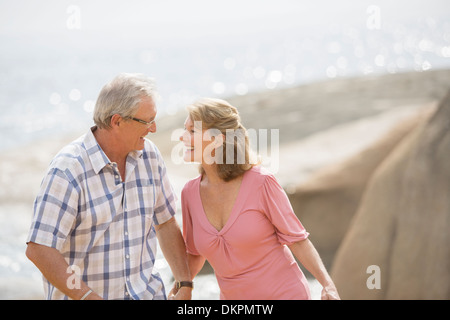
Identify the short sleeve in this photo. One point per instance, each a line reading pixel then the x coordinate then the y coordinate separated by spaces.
pixel 55 210
pixel 188 233
pixel 278 210
pixel 165 203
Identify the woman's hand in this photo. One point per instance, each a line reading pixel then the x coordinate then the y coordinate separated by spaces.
pixel 330 293
pixel 305 252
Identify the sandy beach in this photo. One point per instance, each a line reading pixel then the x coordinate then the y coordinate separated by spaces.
pixel 319 124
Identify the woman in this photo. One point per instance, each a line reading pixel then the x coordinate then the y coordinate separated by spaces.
pixel 236 215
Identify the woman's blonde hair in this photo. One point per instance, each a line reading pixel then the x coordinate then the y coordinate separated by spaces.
pixel 219 115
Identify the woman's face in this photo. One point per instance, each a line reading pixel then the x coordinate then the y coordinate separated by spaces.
pixel 199 143
pixel 192 139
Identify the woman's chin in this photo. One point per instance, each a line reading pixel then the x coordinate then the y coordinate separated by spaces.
pixel 188 158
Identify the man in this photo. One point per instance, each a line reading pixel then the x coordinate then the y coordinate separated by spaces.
pixel 104 200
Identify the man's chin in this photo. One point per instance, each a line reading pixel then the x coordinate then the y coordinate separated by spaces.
pixel 140 145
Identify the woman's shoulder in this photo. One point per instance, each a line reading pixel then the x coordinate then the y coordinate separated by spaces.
pixel 259 174
pixel 191 184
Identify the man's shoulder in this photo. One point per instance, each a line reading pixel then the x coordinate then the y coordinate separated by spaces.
pixel 70 157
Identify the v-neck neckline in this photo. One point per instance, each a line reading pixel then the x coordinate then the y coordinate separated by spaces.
pixel 236 205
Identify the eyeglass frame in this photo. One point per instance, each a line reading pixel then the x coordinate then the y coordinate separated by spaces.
pixel 148 124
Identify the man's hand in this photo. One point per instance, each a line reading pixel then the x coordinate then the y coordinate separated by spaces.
pixel 172 246
pixel 184 293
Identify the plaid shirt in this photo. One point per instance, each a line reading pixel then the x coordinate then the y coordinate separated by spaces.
pixel 102 226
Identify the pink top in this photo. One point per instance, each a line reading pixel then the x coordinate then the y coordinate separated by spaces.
pixel 249 255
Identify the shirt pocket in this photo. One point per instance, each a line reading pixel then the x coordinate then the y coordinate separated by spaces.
pixel 139 195
pixel 145 202
pixel 139 206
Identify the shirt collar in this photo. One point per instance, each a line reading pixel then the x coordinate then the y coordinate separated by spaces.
pixel 98 158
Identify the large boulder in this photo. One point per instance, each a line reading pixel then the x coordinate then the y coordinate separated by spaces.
pixel 329 198
pixel 400 235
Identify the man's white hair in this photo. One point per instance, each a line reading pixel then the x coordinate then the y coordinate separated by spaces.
pixel 122 96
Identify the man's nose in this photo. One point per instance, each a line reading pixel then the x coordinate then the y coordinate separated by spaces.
pixel 152 128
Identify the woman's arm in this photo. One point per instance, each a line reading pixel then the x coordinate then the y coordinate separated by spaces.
pixel 308 256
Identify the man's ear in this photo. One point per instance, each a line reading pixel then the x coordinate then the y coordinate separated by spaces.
pixel 116 119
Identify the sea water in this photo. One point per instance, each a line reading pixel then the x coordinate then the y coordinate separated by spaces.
pixel 50 77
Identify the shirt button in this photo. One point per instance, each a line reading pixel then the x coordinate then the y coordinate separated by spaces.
pixel 127 256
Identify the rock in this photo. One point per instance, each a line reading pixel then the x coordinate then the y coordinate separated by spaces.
pixel 329 198
pixel 403 222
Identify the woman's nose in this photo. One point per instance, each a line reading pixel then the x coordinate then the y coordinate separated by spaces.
pixel 182 137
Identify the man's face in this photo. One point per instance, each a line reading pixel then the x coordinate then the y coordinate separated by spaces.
pixel 134 132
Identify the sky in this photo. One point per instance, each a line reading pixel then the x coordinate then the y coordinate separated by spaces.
pixel 175 19
pixel 57 46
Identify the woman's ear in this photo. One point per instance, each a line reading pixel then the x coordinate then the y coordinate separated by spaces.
pixel 218 140
pixel 210 155
pixel 216 137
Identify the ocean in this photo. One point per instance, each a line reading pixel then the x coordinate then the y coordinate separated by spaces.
pixel 56 55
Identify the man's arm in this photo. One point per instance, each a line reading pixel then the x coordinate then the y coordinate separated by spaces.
pixel 174 250
pixel 196 264
pixel 54 268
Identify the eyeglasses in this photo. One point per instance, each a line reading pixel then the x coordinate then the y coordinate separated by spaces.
pixel 148 124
